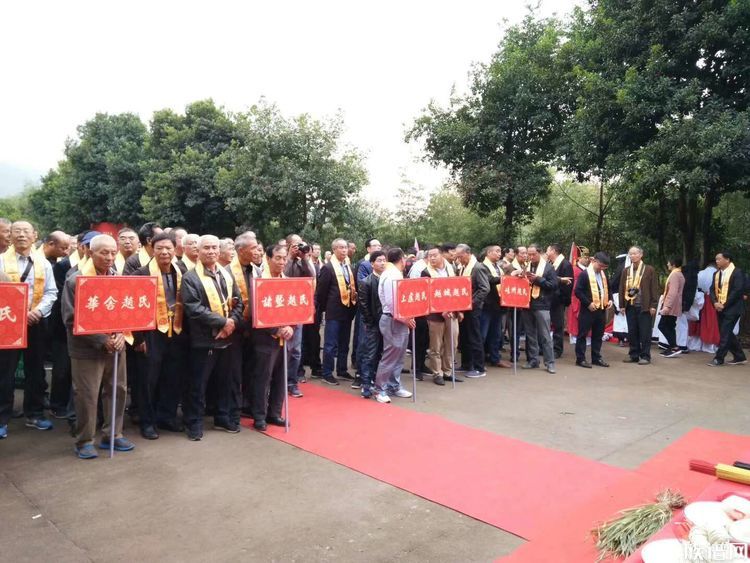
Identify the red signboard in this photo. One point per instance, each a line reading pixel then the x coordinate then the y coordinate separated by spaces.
pixel 515 292
pixel 450 294
pixel 14 307
pixel 106 304
pixel 282 302
pixel 412 298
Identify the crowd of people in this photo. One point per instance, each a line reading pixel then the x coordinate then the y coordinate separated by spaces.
pixel 206 359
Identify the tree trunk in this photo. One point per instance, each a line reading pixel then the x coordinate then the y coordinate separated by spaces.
pixel 687 211
pixel 709 203
pixel 599 218
pixel 660 227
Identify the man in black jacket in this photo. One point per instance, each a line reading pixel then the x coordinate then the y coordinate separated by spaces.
pixel 561 297
pixel 727 295
pixel 370 311
pixel 213 308
pixel 166 348
pixel 336 297
pixel 595 298
pixel 536 320
pixel 472 348
pixel 493 316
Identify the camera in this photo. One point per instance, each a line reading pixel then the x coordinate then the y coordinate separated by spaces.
pixel 633 291
pixel 303 247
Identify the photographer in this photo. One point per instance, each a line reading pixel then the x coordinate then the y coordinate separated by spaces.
pixel 639 290
pixel 298 266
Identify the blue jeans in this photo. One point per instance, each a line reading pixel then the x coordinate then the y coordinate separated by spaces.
pixel 294 349
pixel 336 346
pixel 371 348
pixel 491 327
pixel 395 336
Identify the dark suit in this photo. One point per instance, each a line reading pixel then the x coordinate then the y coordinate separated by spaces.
pixel 733 309
pixel 311 338
pixel 638 313
pixel 338 319
pixel 492 316
pixel 472 348
pixel 207 354
pixel 536 319
pixel 560 300
pixel 370 311
pixel 242 349
pixel 595 321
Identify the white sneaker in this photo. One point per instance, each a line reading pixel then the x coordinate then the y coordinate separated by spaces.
pixel 403 393
pixel 383 398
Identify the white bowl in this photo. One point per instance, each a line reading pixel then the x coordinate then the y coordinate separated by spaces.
pixel 664 551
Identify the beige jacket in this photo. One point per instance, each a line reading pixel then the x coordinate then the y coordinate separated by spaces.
pixel 672 305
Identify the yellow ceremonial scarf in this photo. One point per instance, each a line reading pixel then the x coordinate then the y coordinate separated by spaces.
pixel 119 263
pixel 267 274
pixel 189 264
pixel 218 305
pixel 11 268
pixel 722 290
pixel 239 278
pixel 517 265
pixel 558 261
pixel 75 258
pixel 347 295
pixel 469 268
pixel 536 290
pixel 601 300
pixel 633 280
pixel 167 320
pixel 434 273
pixel 491 267
pixel 143 257
pixel 669 279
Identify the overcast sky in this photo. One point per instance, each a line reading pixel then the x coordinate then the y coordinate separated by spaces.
pixel 379 63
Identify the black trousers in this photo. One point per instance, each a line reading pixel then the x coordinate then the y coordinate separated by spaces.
pixel 728 341
pixel 268 381
pixel 311 345
pixel 557 320
pixel 472 349
pixel 422 341
pixel 203 363
pixel 668 327
pixel 160 389
pixel 243 362
pixel 33 369
pixel 59 397
pixel 595 322
pixel 136 370
pixel 639 332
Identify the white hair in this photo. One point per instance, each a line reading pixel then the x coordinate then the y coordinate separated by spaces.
pixel 204 239
pixel 191 237
pixel 101 240
pixel 337 242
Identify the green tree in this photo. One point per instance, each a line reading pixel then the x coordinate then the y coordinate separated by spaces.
pixel 498 141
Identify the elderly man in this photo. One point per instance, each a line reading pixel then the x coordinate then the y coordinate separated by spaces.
pixel 592 291
pixel 127 244
pixel 727 296
pixel 336 297
pixel 536 319
pixel 56 246
pixel 562 296
pixel 361 271
pixel 298 265
pixel 4 234
pixel 213 308
pixel 145 253
pixel 22 265
pixel 493 315
pixel 472 348
pixel 268 379
pixel 226 252
pixel 92 361
pixel 190 250
pixel 166 348
pixel 371 346
pixel 639 296
pixel 243 270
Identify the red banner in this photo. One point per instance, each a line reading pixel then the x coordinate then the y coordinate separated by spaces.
pixel 14 308
pixel 282 302
pixel 450 294
pixel 106 304
pixel 515 292
pixel 412 298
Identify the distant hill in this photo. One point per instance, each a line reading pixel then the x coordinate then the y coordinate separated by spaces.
pixel 14 178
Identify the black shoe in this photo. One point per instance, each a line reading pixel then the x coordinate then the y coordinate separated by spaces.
pixel 260 425
pixel 584 364
pixel 171 426
pixel 715 363
pixel 601 363
pixel 357 383
pixel 331 380
pixel 295 392
pixel 276 420
pixel 150 433
pixel 229 426
pixel 449 377
pixel 630 360
pixel 420 377
pixel 737 361
pixel 194 434
pixel 345 375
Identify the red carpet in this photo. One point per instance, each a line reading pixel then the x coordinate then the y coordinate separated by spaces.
pixel 566 537
pixel 501 481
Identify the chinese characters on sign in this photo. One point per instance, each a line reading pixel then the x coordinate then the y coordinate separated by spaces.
pixel 412 298
pixel 14 306
pixel 282 302
pixel 515 292
pixel 450 294
pixel 105 304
